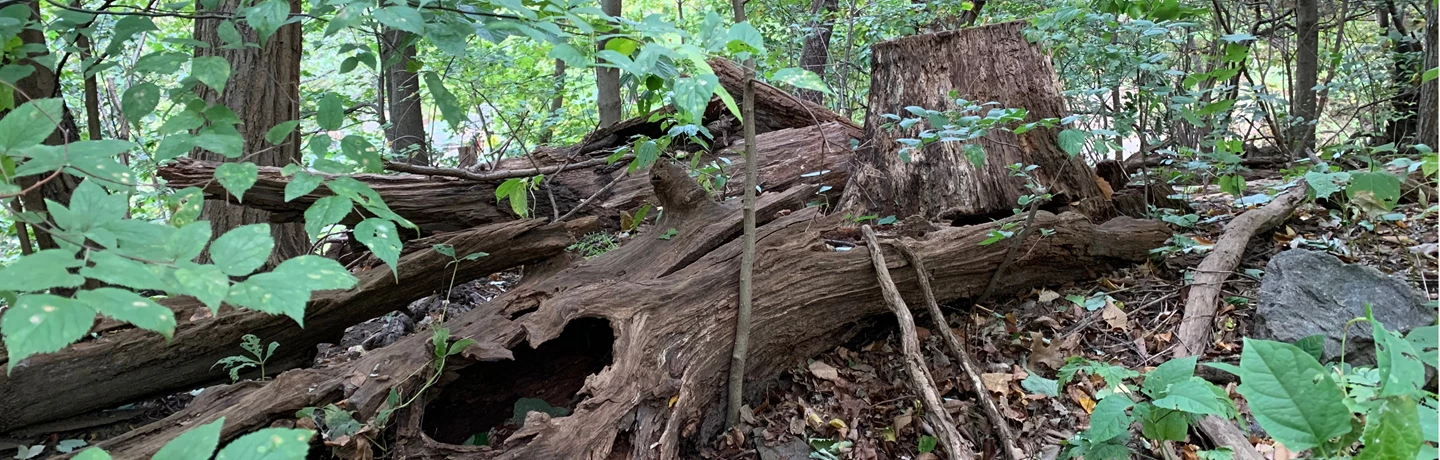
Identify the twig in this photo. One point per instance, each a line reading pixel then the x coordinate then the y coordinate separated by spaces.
pixel 592 197
pixel 740 353
pixel 914 361
pixel 1010 254
pixel 490 176
pixel 997 421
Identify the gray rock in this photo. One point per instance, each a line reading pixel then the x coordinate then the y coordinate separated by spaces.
pixel 1306 293
pixel 792 449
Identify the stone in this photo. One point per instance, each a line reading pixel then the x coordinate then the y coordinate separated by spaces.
pixel 1306 293
pixel 791 449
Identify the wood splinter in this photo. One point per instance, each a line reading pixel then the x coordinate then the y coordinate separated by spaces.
pixel 935 411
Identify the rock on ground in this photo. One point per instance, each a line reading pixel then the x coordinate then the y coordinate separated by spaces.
pixel 1306 293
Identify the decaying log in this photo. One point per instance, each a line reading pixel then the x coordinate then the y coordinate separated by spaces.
pixel 992 63
pixel 132 364
pixel 651 378
pixel 444 204
pixel 775 109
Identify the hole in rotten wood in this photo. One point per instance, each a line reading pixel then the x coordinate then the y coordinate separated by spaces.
pixel 482 400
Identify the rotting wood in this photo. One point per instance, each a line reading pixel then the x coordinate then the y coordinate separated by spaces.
pixel 670 304
pixel 922 382
pixel 133 364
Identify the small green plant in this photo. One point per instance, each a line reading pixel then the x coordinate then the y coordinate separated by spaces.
pixel 594 244
pixel 1170 398
pixel 449 251
pixel 669 233
pixel 829 449
pixel 517 190
pixel 251 344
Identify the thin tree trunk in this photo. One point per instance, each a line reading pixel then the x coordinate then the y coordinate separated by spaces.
pixel 1426 132
pixel 815 53
pixel 557 102
pixel 740 353
pixel 407 124
pixel 607 80
pixel 264 91
pixel 1307 70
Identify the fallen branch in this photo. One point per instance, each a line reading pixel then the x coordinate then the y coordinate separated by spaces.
pixel 997 421
pixel 492 176
pixel 914 361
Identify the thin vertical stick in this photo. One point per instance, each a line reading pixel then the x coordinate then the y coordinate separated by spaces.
pixel 747 256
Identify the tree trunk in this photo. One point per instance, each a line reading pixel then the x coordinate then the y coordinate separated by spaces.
pixel 406 132
pixel 557 103
pixel 1307 75
pixel 607 79
pixel 635 342
pixel 989 63
pixel 1429 114
pixel 815 52
pixel 42 84
pixel 263 91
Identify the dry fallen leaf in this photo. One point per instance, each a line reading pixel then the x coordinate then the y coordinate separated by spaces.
pixel 998 382
pixel 1048 296
pixel 1051 355
pixel 1115 317
pixel 902 421
pixel 1078 395
pixel 825 371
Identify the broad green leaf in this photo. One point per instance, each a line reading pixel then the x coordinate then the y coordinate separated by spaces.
pixel 160 62
pixel 273 293
pixel 1171 372
pixel 572 56
pixel 92 206
pixel 196 443
pixel 187 203
pixel 975 153
pixel 29 124
pixel 182 121
pixel 801 78
pixel 139 101
pixel 213 71
pixel 1401 372
pixel 449 106
pixel 1215 107
pixel 316 273
pixel 1233 184
pixel 1430 74
pixel 1162 424
pixel 1426 342
pixel 269 444
pixel 267 17
pixel 117 270
pixel 125 28
pixel 1034 383
pixel 401 17
pixel 40 271
pixel 204 282
pixel 1313 345
pixel 227 142
pixel 331 113
pixel 93 453
pixel 300 184
pixel 325 212
pixel 744 37
pixel 277 134
pixel 237 177
pixel 367 198
pixel 1375 188
pixel 1192 395
pixel 1392 431
pixel 383 240
pixel 1072 141
pixel 363 153
pixel 1326 184
pixel 130 307
pixel 1109 419
pixel 174 146
pixel 242 250
pixel 43 323
pixel 189 241
pixel 1290 395
pixel 692 95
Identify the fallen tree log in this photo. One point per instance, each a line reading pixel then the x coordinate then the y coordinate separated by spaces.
pixel 443 204
pixel 635 342
pixel 133 364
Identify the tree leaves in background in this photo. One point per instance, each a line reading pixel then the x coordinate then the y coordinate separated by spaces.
pixel 237 178
pixel 330 113
pixel 383 240
pixel 1294 399
pixel 449 106
pixel 241 251
pixel 43 323
pixel 801 78
pixel 401 17
pixel 125 29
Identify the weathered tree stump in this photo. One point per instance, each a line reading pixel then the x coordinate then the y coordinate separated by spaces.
pixel 982 64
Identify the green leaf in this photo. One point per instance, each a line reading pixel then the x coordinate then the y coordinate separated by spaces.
pixel 29 124
pixel 1290 395
pixel 1162 424
pixel 174 146
pixel 402 18
pixel 301 184
pixel 1374 187
pixel 1072 141
pixel 1034 383
pixel 139 101
pixel 1215 107
pixel 449 106
pixel 92 206
pixel 187 204
pixel 213 71
pixel 40 271
pixel 1326 184
pixel 572 56
pixel 383 240
pixel 445 249
pixel 1109 419
pixel 331 113
pixel 114 269
pixel 277 134
pixel 1174 371
pixel 801 78
pixel 1401 372
pixel 273 293
pixel 926 444
pixel 976 154
pixel 267 17
pixel 227 142
pixel 1313 345
pixel 237 177
pixel 125 28
pixel 269 444
pixel 160 62
pixel 242 250
pixel 744 37
pixel 189 241
pixel 43 323
pixel 204 282
pixel 93 453
pixel 692 95
pixel 195 443
pixel 1194 396
pixel 181 121
pixel 1233 184
pixel 1426 342
pixel 316 273
pixel 325 212
pixel 362 152
pixel 130 307
pixel 1430 75
pixel 1392 431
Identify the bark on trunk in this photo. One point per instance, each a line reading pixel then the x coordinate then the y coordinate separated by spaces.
pixel 442 204
pixel 264 91
pixel 1428 129
pixel 815 52
pixel 42 84
pixel 660 315
pixel 133 364
pixel 406 132
pixel 990 63
pixel 607 79
pixel 1307 74
pixel 557 102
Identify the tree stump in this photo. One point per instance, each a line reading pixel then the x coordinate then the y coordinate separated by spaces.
pixel 982 64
